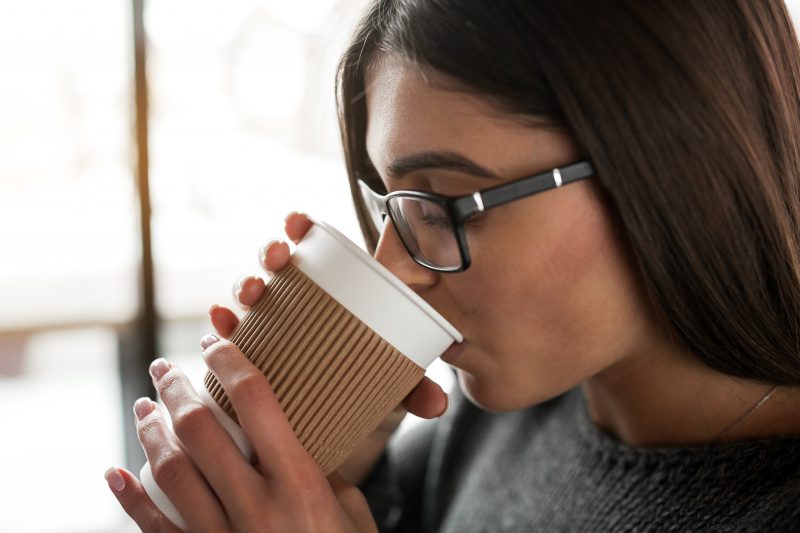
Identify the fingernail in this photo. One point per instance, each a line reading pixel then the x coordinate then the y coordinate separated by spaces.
pixel 241 282
pixel 446 405
pixel 262 253
pixel 211 309
pixel 159 367
pixel 237 287
pixel 114 479
pixel 208 340
pixel 143 407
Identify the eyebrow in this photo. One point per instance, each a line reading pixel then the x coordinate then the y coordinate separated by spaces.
pixel 439 160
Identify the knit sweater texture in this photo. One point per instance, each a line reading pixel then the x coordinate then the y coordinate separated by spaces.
pixel 550 468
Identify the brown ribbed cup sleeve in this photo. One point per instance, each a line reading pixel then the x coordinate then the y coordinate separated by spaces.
pixel 335 378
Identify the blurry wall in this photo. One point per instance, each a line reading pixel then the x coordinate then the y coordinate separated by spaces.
pixel 242 131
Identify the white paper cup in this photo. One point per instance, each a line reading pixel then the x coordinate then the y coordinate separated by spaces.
pixel 341 340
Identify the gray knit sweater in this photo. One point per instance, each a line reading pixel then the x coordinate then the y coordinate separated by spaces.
pixel 549 468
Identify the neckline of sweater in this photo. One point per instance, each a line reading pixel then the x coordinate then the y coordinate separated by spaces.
pixel 763 451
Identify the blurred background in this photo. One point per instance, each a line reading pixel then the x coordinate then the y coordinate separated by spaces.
pixel 147 151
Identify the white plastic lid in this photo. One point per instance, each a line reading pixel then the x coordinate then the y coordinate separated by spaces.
pixel 373 294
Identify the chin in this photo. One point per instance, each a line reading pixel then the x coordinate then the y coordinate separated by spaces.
pixel 484 396
pixel 497 398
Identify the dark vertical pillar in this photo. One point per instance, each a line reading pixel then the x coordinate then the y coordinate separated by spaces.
pixel 139 344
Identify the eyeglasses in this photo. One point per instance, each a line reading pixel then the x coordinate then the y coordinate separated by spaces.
pixel 431 226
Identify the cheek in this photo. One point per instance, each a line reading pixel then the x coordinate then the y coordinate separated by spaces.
pixel 591 292
pixel 595 287
pixel 556 261
pixel 556 301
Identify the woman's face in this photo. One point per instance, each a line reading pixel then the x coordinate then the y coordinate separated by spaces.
pixel 551 297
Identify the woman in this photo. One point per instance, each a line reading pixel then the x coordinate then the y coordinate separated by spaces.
pixel 630 315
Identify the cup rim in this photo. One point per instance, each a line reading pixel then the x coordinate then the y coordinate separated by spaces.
pixel 387 275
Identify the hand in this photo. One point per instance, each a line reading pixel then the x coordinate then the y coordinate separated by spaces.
pixel 210 482
pixel 427 400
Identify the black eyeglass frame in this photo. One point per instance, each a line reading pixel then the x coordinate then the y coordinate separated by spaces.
pixel 460 208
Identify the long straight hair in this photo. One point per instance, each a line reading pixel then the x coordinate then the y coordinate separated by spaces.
pixel 688 111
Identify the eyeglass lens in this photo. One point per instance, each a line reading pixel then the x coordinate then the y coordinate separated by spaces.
pixel 424 226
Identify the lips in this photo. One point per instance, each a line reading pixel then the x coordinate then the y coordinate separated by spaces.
pixel 451 354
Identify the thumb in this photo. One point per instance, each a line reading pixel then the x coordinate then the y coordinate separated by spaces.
pixel 427 400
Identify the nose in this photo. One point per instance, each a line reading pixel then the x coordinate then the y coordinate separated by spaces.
pixel 391 253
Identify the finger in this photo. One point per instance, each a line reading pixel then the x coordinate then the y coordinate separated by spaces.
pixel 247 291
pixel 251 290
pixel 274 255
pixel 209 446
pixel 297 225
pixel 259 412
pixel 427 400
pixel 174 472
pixel 223 319
pixel 134 500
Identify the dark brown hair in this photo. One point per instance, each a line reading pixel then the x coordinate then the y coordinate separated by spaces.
pixel 688 111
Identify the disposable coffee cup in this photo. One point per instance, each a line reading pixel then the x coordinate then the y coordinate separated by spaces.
pixel 340 339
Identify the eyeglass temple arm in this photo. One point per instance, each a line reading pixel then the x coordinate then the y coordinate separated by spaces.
pixel 508 192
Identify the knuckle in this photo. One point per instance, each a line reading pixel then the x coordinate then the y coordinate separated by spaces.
pixel 168 467
pixel 169 383
pixel 250 383
pixel 149 427
pixel 305 476
pixel 191 420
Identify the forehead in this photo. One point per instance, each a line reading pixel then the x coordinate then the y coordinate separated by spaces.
pixel 411 110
